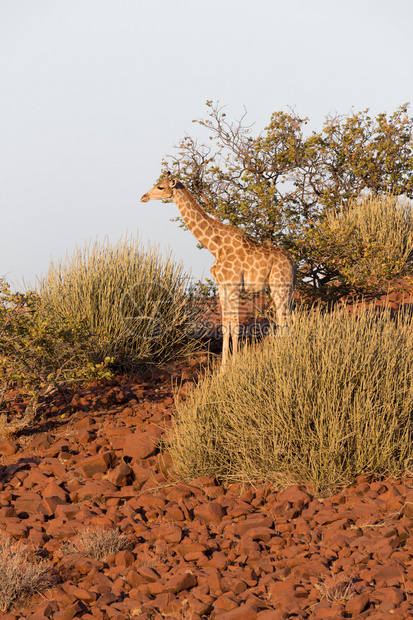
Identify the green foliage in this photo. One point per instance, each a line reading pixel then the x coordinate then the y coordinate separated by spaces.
pixel 133 301
pixel 279 186
pixel 359 249
pixel 39 348
pixel 327 401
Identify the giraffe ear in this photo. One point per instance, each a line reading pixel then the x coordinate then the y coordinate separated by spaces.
pixel 173 182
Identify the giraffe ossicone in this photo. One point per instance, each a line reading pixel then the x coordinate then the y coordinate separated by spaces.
pixel 241 264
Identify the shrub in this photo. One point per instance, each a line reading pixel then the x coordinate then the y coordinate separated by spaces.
pixel 362 247
pixel 39 349
pixel 97 543
pixel 378 238
pixel 20 578
pixel 131 299
pixel 327 401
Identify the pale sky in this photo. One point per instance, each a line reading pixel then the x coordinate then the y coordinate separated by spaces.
pixel 95 93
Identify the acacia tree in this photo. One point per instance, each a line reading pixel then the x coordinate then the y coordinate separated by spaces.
pixel 280 185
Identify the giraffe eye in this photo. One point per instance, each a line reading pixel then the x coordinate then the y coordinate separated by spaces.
pixel 159 187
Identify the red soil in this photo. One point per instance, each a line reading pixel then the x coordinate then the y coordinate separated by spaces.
pixel 198 549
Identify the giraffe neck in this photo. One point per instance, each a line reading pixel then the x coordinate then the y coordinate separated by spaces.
pixel 202 226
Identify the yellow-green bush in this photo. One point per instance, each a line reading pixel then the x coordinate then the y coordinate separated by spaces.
pixel 134 301
pixel 377 238
pixel 357 250
pixel 38 348
pixel 329 400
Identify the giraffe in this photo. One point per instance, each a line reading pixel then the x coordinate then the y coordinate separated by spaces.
pixel 241 264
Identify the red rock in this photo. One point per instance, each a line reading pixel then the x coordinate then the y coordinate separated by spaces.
pixel 9 511
pixel 84 595
pixel 8 447
pixel 39 538
pixel 357 604
pixel 233 584
pixel 54 490
pixel 97 464
pixel 219 560
pixel 86 437
pixel 41 441
pixel 139 445
pixel 325 517
pixel 279 509
pixel 388 572
pixel 174 513
pixel 278 614
pixel 169 532
pixel 147 573
pixel 180 582
pixel 35 478
pixel 199 607
pixel 326 612
pixel 121 475
pixel 296 495
pixel 71 611
pixel 67 511
pixel 85 422
pixel 260 533
pixel 141 474
pixel 210 512
pixel 124 558
pixel 242 527
pixel 28 502
pixel 95 489
pixel 310 568
pixel 190 547
pixel 225 603
pixel 205 481
pixel 389 595
pixel 245 611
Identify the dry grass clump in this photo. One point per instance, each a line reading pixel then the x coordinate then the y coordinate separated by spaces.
pixel 319 405
pixel 132 299
pixel 336 591
pixel 20 578
pixel 375 239
pixel 97 543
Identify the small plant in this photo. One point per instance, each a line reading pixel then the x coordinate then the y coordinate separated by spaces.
pixel 97 544
pixel 325 402
pixel 20 578
pixel 336 591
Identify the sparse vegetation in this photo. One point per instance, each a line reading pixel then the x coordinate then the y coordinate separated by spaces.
pixel 320 405
pixel 334 591
pixel 133 301
pixel 97 543
pixel 20 578
pixel 39 350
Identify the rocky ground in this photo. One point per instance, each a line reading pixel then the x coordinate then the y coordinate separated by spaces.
pixel 194 549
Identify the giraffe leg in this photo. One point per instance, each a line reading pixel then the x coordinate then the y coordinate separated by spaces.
pixel 233 299
pixel 223 298
pixel 282 295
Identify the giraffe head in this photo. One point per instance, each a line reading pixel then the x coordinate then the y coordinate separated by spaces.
pixel 161 190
